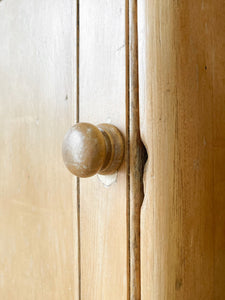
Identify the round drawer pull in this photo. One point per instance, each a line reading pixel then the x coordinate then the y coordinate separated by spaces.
pixel 88 149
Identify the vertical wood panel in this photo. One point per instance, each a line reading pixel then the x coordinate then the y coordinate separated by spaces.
pixel 218 65
pixel 37 213
pixel 136 156
pixel 103 98
pixel 182 112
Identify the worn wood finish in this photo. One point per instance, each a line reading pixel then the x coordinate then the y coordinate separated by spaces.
pixel 183 111
pixel 135 156
pixel 103 228
pixel 37 214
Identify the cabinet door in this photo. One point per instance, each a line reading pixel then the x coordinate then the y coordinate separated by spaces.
pixel 182 63
pixel 38 232
pixel 60 237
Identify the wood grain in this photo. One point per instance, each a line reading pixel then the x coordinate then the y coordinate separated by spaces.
pixel 135 156
pixel 103 227
pixel 37 213
pixel 183 111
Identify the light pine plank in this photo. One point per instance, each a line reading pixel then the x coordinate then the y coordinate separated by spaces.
pixel 37 208
pixel 102 99
pixel 182 111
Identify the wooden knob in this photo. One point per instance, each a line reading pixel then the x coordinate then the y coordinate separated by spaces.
pixel 88 149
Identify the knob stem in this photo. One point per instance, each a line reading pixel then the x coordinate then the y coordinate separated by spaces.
pixel 114 148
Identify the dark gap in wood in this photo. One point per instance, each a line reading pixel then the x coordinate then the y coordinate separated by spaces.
pixel 143 160
pixel 77 120
pixel 79 239
pixel 78 61
pixel 127 144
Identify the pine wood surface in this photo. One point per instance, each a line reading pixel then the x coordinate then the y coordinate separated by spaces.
pixel 182 92
pixel 102 98
pixel 37 211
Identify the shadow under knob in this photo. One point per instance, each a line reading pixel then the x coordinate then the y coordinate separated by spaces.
pixel 88 149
